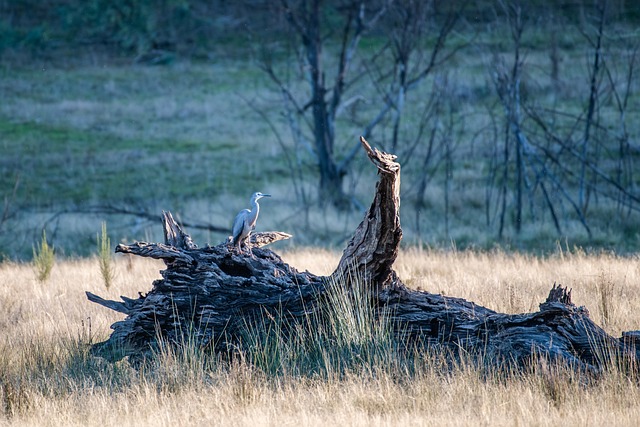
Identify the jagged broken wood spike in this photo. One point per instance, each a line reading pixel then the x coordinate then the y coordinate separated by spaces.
pixel 374 246
pixel 217 293
pixel 173 234
pixel 113 305
pixel 559 294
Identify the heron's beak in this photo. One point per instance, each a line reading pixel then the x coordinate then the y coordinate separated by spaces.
pixel 266 195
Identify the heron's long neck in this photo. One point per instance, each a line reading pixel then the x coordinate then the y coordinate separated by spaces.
pixel 255 211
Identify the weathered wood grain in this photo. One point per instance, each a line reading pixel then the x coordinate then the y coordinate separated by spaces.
pixel 214 293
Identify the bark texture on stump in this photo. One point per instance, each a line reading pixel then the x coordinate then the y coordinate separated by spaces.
pixel 214 293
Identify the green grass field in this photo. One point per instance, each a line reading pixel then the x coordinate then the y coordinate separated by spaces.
pixel 197 138
pixel 132 137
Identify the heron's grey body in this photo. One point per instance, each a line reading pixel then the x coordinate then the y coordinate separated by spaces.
pixel 246 219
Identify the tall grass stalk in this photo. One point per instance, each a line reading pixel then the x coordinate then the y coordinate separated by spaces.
pixel 107 270
pixel 43 258
pixel 605 288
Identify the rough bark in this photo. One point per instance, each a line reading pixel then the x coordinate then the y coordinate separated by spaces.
pixel 213 294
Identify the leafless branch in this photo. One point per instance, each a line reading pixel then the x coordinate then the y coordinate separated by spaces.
pixel 118 210
pixel 8 202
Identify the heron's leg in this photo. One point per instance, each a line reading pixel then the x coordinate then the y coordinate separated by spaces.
pixel 244 242
pixel 247 242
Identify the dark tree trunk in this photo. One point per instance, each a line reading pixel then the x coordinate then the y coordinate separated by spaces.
pixel 330 178
pixel 306 19
pixel 214 294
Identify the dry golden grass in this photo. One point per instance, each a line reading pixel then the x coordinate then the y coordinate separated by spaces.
pixel 514 283
pixel 46 378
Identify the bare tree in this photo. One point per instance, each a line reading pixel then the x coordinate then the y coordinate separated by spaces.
pixel 567 157
pixel 508 84
pixel 326 89
pixel 417 35
pixel 406 60
pixel 414 57
pixel 621 91
pixel 530 163
pixel 595 77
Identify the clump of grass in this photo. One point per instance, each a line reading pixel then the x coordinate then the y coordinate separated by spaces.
pixel 43 258
pixel 361 332
pixel 176 365
pixel 345 334
pixel 104 256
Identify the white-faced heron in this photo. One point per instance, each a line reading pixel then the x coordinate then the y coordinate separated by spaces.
pixel 246 219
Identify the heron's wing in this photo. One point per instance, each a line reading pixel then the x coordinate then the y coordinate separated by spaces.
pixel 238 223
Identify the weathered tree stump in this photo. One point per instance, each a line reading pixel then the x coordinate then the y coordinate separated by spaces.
pixel 213 293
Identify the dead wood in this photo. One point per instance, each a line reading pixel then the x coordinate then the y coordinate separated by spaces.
pixel 214 294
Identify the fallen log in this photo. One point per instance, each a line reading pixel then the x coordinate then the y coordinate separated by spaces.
pixel 214 293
